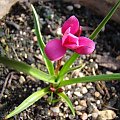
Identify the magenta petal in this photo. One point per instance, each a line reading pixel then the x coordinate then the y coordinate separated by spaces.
pixel 71 22
pixel 54 50
pixel 87 46
pixel 69 40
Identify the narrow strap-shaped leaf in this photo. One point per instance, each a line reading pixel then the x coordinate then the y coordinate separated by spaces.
pixel 28 102
pixel 80 67
pixel 48 63
pixel 104 77
pixel 67 100
pixel 92 36
pixel 25 68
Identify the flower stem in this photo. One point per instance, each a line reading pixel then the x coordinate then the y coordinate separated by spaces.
pixel 58 65
pixel 51 98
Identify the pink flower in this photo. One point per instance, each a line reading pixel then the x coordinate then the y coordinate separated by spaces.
pixel 55 49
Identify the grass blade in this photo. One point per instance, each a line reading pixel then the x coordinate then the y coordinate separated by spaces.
pixel 48 63
pixel 104 77
pixel 28 102
pixel 80 67
pixel 67 100
pixel 25 68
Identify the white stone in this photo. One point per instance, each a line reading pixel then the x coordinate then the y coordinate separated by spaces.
pixel 61 114
pixel 77 93
pixel 79 84
pixel 95 115
pixel 22 79
pixel 70 7
pixel 55 109
pixel 76 102
pixel 78 113
pixel 81 74
pixel 97 94
pixel 83 103
pixel 98 102
pixel 69 86
pixel 69 94
pixel 84 90
pixel 77 6
pixel 59 31
pixel 84 116
pixel 78 107
pixel 106 115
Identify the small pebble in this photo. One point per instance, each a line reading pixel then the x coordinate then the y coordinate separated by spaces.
pixel 61 114
pixel 24 33
pixel 55 109
pixel 25 89
pixel 84 116
pixel 81 74
pixel 35 38
pixel 78 113
pixel 22 79
pixel 76 103
pixel 77 93
pixel 109 72
pixel 83 103
pixel 79 84
pixel 65 108
pixel 69 94
pixel 94 65
pixel 71 117
pixel 76 72
pixel 20 96
pixel 70 7
pixel 5 96
pixel 21 32
pixel 38 88
pixel 89 85
pixel 97 94
pixel 78 6
pixel 49 112
pixel 69 87
pixel 79 108
pixel 84 90
pixel 33 89
pixel 59 31
pixel 95 115
pixel 98 102
pixel 106 115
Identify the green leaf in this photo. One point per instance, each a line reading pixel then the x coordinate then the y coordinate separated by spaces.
pixel 48 63
pixel 92 36
pixel 28 102
pixel 67 100
pixel 80 67
pixel 25 68
pixel 104 77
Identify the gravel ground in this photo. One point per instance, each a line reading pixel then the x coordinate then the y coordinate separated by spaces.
pixel 92 101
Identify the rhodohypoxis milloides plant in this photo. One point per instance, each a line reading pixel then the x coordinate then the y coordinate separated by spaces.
pixel 54 50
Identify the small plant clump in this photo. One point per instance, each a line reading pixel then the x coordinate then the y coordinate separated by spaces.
pixel 54 51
